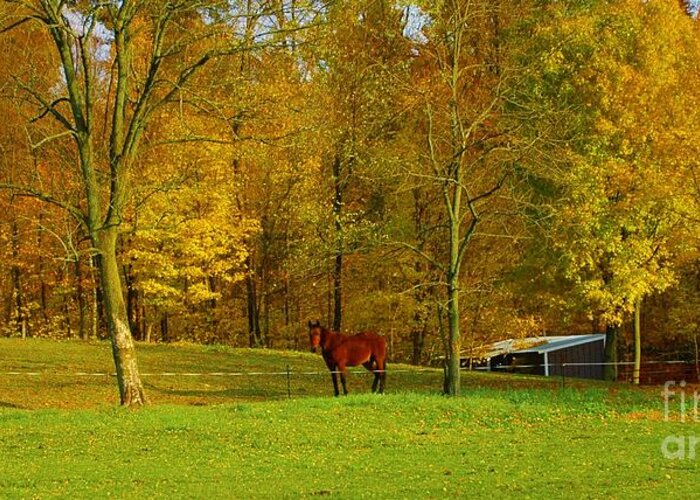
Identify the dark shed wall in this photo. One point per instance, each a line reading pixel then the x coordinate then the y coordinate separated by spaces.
pixel 590 352
pixel 527 363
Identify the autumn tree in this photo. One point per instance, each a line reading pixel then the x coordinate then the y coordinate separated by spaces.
pixel 41 243
pixel 121 62
pixel 183 250
pixel 606 82
pixel 468 152
pixel 360 54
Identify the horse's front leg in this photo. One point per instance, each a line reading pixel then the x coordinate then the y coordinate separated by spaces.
pixel 342 378
pixel 334 376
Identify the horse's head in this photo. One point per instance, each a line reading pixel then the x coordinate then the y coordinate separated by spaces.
pixel 314 335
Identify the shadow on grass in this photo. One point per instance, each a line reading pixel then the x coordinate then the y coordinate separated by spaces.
pixel 4 404
pixel 238 393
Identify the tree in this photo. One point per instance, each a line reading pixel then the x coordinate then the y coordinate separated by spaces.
pixel 608 80
pixel 41 241
pixel 121 62
pixel 361 53
pixel 467 149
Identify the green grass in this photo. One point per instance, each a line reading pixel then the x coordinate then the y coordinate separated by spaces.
pixel 57 386
pixel 506 436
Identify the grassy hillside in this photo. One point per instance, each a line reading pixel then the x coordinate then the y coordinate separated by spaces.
pixel 75 375
pixel 520 436
pixel 72 374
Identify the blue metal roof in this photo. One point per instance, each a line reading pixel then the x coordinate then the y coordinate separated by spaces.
pixel 539 345
pixel 564 342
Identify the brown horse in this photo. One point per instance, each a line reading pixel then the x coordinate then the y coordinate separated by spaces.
pixel 340 351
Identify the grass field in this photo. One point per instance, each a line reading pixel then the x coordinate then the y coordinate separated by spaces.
pixel 257 375
pixel 239 437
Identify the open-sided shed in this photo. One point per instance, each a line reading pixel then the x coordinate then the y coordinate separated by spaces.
pixel 579 356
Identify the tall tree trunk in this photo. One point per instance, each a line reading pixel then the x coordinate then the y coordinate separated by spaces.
pixel 697 354
pixel 441 314
pixel 420 316
pixel 96 312
pixel 254 335
pixel 287 319
pixel 418 337
pixel 132 301
pixel 637 341
pixel 329 300
pixel 338 292
pixel 610 369
pixel 145 326
pixel 21 320
pixel 66 308
pixel 453 382
pixel 472 329
pixel 43 288
pixel 164 331
pixel 266 313
pixel 83 329
pixel 338 263
pixel 123 351
pixel 696 333
pixel 420 319
pixel 211 308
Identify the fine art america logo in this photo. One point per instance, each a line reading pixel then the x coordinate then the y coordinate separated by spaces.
pixel 681 406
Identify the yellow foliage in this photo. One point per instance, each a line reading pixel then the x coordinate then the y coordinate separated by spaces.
pixel 634 96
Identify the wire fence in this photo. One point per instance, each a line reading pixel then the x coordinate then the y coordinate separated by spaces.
pixel 246 384
pixel 651 372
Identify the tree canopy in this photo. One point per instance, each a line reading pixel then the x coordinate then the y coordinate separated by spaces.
pixel 445 173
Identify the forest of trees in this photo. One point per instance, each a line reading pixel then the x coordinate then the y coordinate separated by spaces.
pixel 446 173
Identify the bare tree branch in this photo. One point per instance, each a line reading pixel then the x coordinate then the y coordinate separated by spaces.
pixel 48 198
pixel 48 107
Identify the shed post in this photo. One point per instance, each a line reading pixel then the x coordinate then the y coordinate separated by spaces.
pixel 546 365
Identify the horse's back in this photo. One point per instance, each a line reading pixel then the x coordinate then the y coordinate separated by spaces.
pixel 361 348
pixel 376 341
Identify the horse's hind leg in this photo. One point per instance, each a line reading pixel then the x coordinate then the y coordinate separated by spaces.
pixel 371 366
pixel 381 375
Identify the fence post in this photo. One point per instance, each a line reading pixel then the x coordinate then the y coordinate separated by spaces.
pixel 563 375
